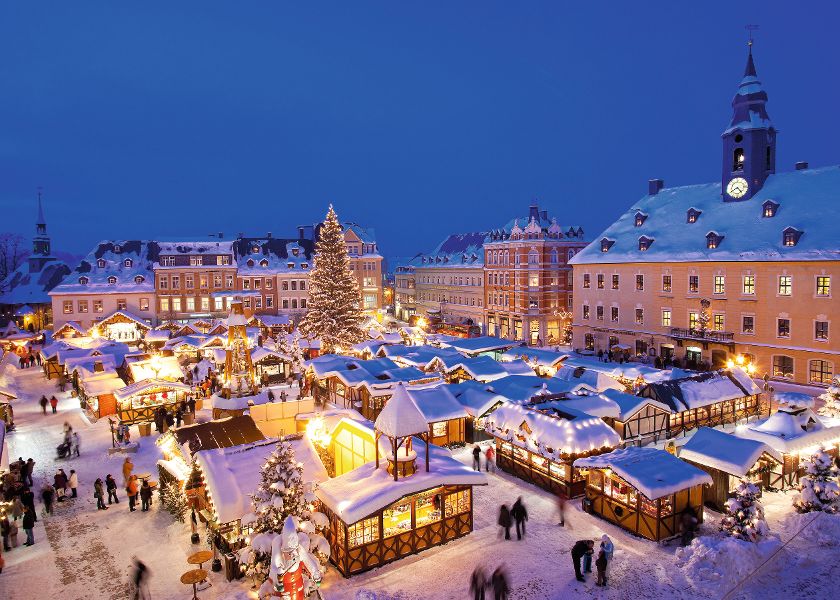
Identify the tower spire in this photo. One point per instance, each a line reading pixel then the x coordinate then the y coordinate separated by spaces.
pixel 41 220
pixel 41 242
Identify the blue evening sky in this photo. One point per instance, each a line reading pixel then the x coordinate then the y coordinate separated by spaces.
pixel 159 119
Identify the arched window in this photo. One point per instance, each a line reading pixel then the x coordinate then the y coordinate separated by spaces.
pixel 139 279
pixel 554 257
pixel 738 159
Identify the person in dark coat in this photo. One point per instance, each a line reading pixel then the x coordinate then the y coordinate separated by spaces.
pixel 478 583
pixel 499 580
pixel 28 499
pixel 145 496
pixel 520 515
pixel 505 520
pixel 47 495
pixel 30 468
pixel 579 550
pixel 5 531
pixel 138 578
pixel 60 483
pixel 111 486
pixel 99 494
pixel 601 566
pixel 476 458
pixel 270 395
pixel 44 403
pixel 191 405
pixel 688 521
pixel 28 525
pixel 179 414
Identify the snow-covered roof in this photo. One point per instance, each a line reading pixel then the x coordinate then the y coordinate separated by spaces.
pixel 415 356
pixel 595 380
pixel 725 452
pixel 401 417
pixel 703 389
pixel 106 383
pixel 366 489
pixel 456 250
pixel 537 356
pixel 88 365
pixel 805 197
pixel 130 269
pixel 553 432
pixel 145 386
pixel 655 473
pixel 436 403
pixel 126 314
pixel 239 403
pixel 628 404
pixel 627 370
pixel 480 344
pixel 157 335
pixel 791 430
pixel 521 388
pixel 260 353
pixel 475 397
pixel 595 405
pixel 32 282
pixel 267 256
pixel 155 367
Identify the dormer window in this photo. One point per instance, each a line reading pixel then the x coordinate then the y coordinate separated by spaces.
pixel 112 280
pixel 304 265
pixel 606 244
pixel 128 262
pixel 139 279
pixel 291 265
pixel 713 240
pixel 644 243
pixel 255 250
pixel 295 251
pixel 100 263
pixel 117 248
pixel 263 263
pixel 769 208
pixel 250 262
pixel 83 280
pixel 640 219
pixel 790 236
pixel 691 215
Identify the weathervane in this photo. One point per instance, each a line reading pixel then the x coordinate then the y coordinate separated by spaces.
pixel 750 28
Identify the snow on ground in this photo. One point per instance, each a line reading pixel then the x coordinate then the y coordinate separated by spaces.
pixel 85 553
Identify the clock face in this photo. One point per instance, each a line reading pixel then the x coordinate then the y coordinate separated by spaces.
pixel 736 188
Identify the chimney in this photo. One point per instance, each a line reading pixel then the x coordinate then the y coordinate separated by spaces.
pixel 221 235
pixel 544 215
pixel 801 165
pixel 268 235
pixel 300 233
pixel 534 212
pixel 655 185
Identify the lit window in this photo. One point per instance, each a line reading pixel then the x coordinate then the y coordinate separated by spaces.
pixel 614 314
pixel 666 317
pixel 821 330
pixel 599 313
pixel 68 307
pixel 100 263
pixel 644 243
pixel 713 240
pixel 164 304
pixel 720 284
pixel 691 215
pixel 586 282
pixel 748 324
pixel 790 236
pixel 785 285
pixel 112 280
pixel 615 282
pixel 749 285
pixel 640 282
pixel 717 322
pixel 640 316
pixel 783 328
pixel 820 371
pixel 190 304
pixel 824 286
pixel 783 366
pixel 83 280
pixel 97 306
pixel 768 209
pixel 586 311
pixel 144 304
pixel 693 283
pixel 693 320
pixel 640 219
pixel 600 281
pixel 195 261
pixel 666 283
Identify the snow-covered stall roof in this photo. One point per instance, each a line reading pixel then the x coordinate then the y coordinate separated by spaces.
pixel 414 356
pixel 481 344
pixel 401 417
pixel 141 387
pixel 436 403
pixel 475 397
pixel 725 452
pixel 70 327
pixel 804 197
pixel 655 473
pixel 124 314
pixel 593 379
pixel 241 403
pixel 702 389
pixel 627 370
pixel 157 335
pixel 89 365
pixel 102 383
pixel 522 388
pixel 154 367
pixel 537 356
pixel 595 405
pixel 628 404
pixel 218 433
pixel 261 353
pixel 366 489
pixel 791 430
pixel 564 431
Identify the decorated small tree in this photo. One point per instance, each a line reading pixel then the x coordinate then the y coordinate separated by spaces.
pixel 282 493
pixel 744 517
pixel 297 354
pixel 818 488
pixel 831 398
pixel 281 344
pixel 703 318
pixel 333 313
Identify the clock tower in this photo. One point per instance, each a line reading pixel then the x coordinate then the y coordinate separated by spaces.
pixel 749 143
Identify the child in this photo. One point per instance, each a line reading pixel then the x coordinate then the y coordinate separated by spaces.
pixel 601 565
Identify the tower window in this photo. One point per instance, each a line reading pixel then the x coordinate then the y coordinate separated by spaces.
pixel 738 159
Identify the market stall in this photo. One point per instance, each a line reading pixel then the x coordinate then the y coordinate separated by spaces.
pixel 137 402
pixel 271 367
pixel 643 490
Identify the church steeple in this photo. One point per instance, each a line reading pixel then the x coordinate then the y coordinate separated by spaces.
pixel 41 241
pixel 749 143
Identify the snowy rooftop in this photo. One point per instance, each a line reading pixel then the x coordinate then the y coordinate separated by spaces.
pixel 628 404
pixel 552 433
pixel 147 385
pixel 485 343
pixel 595 380
pixel 436 403
pixel 723 451
pixel 113 267
pixel 655 473
pixel 401 417
pixel 457 250
pixel 29 284
pixel 475 397
pixel 538 356
pixel 218 433
pixel 791 430
pixel 804 197
pixel 521 388
pixel 366 489
pixel 703 389
pixel 262 256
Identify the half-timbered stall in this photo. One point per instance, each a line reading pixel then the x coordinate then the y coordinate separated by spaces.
pixel 122 326
pixel 69 330
pixel 392 508
pixel 709 399
pixel 271 367
pixel 794 432
pixel 640 420
pixel 96 393
pixel 478 401
pixel 79 367
pixel 155 339
pixel 728 459
pixel 137 402
pixel 643 490
pixel 153 366
pixel 444 414
pixel 545 363
pixel 541 446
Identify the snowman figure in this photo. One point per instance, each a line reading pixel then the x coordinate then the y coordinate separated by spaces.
pixel 288 561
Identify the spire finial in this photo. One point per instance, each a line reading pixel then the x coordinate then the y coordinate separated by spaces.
pixel 750 28
pixel 41 220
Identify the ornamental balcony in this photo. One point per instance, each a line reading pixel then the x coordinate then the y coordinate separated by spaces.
pixel 723 337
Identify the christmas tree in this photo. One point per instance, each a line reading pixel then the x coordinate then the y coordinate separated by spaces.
pixel 333 314
pixel 818 488
pixel 281 344
pixel 282 493
pixel 831 397
pixel 744 514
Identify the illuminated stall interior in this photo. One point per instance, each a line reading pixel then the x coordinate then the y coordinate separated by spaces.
pixel 137 402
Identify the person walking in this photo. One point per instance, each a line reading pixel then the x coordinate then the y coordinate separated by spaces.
pixel 47 496
pixel 579 550
pixel 504 521
pixel 99 494
pixel 17 508
pixel 27 498
pixel 179 414
pixel 73 482
pixel 60 484
pixel 478 583
pixel 5 529
pixel 476 458
pixel 77 444
pixel 191 405
pixel 520 515
pixel 490 459
pixel 127 468
pixel 139 577
pixel 29 525
pixel 499 580
pixel 283 396
pixel 54 404
pixel 145 496
pixel 30 468
pixel 601 566
pixel 131 490
pixel 561 507
pixel 111 486
pixel 44 403
pixel 608 548
pixel 270 395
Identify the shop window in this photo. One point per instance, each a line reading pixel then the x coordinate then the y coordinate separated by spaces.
pixel 396 518
pixel 439 429
pixel 427 508
pixel 457 503
pixel 363 532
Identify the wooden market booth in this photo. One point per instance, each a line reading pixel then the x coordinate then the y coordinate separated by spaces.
pixel 643 490
pixel 96 393
pixel 479 402
pixel 728 459
pixel 542 446
pixel 122 326
pixel 394 507
pixel 70 329
pixel 271 367
pixel 137 402
pixel 640 420
pixel 794 433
